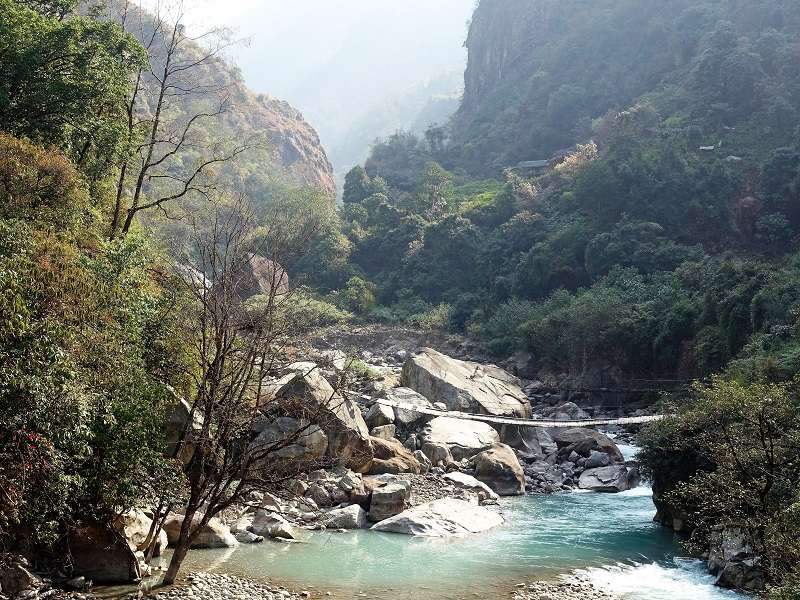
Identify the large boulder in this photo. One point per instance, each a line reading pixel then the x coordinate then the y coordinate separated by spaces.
pixel 379 415
pixel 532 442
pixel 583 441
pixel 733 560
pixel 290 439
pixel 214 535
pixel 441 518
pixel 392 457
pixel 350 517
pixel 408 417
pixel 499 468
pixel 463 438
pixel 306 394
pixel 135 526
pixel 616 478
pixel 17 578
pixel 262 276
pixel 269 524
pixel 389 500
pixel 465 386
pixel 470 483
pixel 101 554
pixel 180 433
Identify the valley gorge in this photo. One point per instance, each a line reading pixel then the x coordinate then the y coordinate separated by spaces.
pixel 542 343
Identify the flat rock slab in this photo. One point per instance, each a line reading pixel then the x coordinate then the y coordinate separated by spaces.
pixel 441 518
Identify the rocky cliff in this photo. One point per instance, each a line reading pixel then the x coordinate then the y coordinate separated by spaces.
pixel 541 73
pixel 293 147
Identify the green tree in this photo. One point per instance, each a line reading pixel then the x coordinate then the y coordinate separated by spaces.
pixel 64 83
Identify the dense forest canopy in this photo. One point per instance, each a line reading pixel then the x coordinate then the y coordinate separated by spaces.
pixel 659 239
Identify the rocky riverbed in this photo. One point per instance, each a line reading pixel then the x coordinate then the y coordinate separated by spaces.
pixel 392 469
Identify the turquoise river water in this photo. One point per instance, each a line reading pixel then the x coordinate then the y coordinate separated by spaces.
pixel 608 538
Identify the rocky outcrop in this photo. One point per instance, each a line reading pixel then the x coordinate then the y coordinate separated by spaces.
pixel 261 276
pixel 616 478
pixel 461 438
pixel 499 468
pixel 465 386
pixel 17 579
pixel 101 554
pixel 288 142
pixel 392 457
pixel 441 518
pixel 733 560
pixel 213 535
pixel 305 393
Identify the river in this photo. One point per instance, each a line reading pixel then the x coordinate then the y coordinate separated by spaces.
pixel 609 539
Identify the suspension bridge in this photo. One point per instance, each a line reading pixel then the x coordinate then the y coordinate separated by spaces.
pixel 517 421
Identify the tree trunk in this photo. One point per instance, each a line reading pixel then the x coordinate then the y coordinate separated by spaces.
pixel 181 550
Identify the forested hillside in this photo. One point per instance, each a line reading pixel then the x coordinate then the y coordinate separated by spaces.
pixel 618 197
pixel 135 169
pixel 660 241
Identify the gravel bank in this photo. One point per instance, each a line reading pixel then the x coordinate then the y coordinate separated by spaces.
pixel 568 590
pixel 213 586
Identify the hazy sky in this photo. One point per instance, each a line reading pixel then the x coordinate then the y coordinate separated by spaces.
pixel 337 59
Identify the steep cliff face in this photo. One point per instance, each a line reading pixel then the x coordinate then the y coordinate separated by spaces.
pixel 293 148
pixel 541 72
pixel 293 142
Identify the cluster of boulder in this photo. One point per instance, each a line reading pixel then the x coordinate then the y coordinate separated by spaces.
pixel 395 460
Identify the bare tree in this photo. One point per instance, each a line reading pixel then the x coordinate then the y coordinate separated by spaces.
pixel 237 345
pixel 169 109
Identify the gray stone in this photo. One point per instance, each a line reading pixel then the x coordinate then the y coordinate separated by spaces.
pixel 465 386
pixel 101 554
pixel 499 468
pixel 392 457
pixel 308 394
pixel 597 459
pixel 462 438
pixel 389 500
pixel 350 517
pixel 212 535
pixel 441 518
pixel 616 478
pixel 384 432
pixel 379 415
pixel 405 417
pixel 247 537
pixel 582 441
pixel 272 525
pixel 437 454
pixel 733 561
pixel 468 482
pixel 295 439
pixel 135 526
